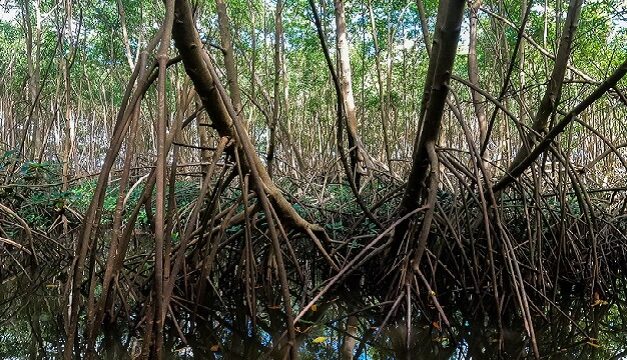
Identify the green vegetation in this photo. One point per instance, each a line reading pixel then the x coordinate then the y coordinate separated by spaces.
pixel 313 179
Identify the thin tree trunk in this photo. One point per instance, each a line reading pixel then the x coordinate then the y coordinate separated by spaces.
pixel 127 45
pixel 68 128
pixel 383 100
pixel 473 71
pixel 278 76
pixel 160 174
pixel 546 141
pixel 359 158
pixel 33 60
pixel 202 126
pixel 552 95
pixel 229 58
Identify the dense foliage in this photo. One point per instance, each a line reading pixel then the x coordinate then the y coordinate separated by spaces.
pixel 305 176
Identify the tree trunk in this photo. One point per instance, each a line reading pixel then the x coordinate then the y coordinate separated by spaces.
pixel 546 141
pixel 125 38
pixel 473 72
pixel 359 158
pixel 229 59
pixel 278 76
pixel 552 95
pixel 199 67
pixel 33 59
pixel 448 27
pixel 350 338
pixel 383 99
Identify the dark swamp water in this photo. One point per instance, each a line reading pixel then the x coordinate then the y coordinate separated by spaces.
pixel 31 327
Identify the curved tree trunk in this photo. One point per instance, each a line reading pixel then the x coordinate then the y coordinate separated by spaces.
pixel 200 69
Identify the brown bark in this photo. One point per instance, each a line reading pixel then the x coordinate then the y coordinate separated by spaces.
pixel 383 100
pixel 33 60
pixel 359 158
pixel 444 51
pixel 68 126
pixel 160 174
pixel 448 28
pixel 68 135
pixel 229 59
pixel 278 76
pixel 422 14
pixel 473 71
pixel 202 126
pixel 200 68
pixel 544 144
pixel 552 95
pixel 433 48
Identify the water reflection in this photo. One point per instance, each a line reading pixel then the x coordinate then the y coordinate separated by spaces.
pixel 31 327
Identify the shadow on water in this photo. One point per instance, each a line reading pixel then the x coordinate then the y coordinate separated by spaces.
pixel 31 327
